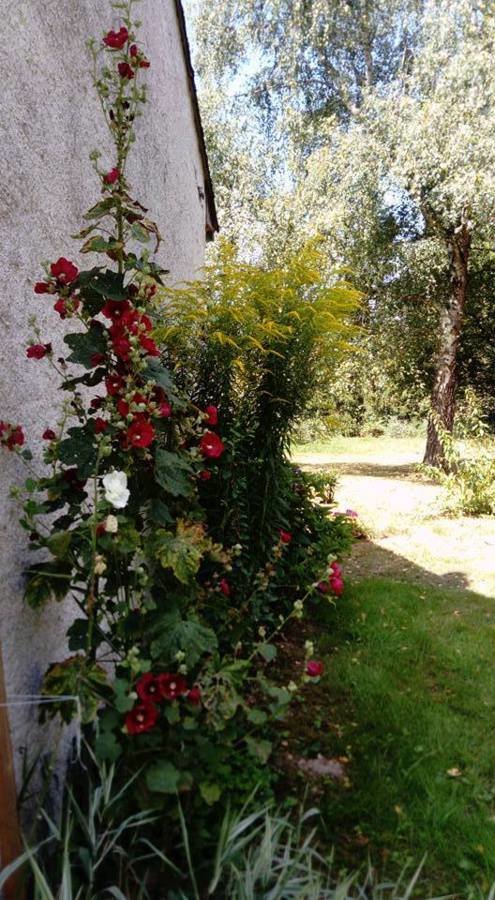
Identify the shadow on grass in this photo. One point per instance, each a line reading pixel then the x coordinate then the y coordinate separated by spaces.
pixel 370 560
pixel 405 471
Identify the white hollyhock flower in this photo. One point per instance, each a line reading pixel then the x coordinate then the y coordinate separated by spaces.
pixel 116 490
pixel 111 525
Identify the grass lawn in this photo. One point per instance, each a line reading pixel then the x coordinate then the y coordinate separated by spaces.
pixel 366 448
pixel 408 696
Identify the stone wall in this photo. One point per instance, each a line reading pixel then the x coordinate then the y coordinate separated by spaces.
pixel 50 120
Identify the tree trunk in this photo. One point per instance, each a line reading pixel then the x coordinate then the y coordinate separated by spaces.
pixel 444 392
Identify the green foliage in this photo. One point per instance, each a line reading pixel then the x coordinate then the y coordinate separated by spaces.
pixel 469 480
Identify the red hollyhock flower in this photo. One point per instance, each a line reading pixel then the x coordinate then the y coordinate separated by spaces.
pixel 64 271
pixel 142 718
pixel 133 50
pixel 115 40
pixel 141 432
pixel 125 70
pixel 323 586
pixel 144 63
pixel 112 176
pixel 211 413
pixel 38 351
pixel 285 536
pixel 61 307
pixel 171 686
pixel 11 435
pixel 96 359
pixel 149 345
pixel 44 287
pixel 337 586
pixel 71 476
pixel 194 695
pixel 101 425
pixel 136 322
pixel 96 402
pixel 115 309
pixel 165 410
pixel 147 688
pixel 314 668
pixel 224 587
pixel 211 446
pixel 336 569
pixel 121 347
pixel 114 384
pixel 123 407
pixel 205 474
pixel 48 435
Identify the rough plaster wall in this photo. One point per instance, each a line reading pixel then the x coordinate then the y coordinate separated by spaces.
pixel 49 121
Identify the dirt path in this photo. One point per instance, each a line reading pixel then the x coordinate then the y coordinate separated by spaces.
pixel 410 538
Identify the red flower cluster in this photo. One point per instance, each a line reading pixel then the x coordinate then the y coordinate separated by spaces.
pixel 64 273
pixel 11 436
pixel 138 58
pixel 125 70
pixel 115 40
pixel 335 581
pixel 152 689
pixel 127 323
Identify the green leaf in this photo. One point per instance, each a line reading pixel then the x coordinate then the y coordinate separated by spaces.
pixel 172 472
pixel 84 344
pixel 172 713
pixel 159 512
pixel 107 747
pixel 99 209
pixel 210 792
pixel 59 543
pixel 78 634
pixel 140 233
pixel 187 635
pixel 268 651
pixel 76 676
pixel 260 749
pixel 47 581
pixel 109 284
pixel 256 716
pixel 162 777
pixel 97 244
pixel 78 449
pixel 123 703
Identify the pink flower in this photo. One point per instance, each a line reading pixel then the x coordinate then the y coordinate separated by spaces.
pixel 285 536
pixel 314 668
pixel 336 569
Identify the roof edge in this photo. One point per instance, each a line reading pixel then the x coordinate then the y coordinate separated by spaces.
pixel 211 219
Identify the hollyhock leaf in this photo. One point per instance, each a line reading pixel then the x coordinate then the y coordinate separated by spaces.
pixel 47 581
pixel 98 244
pixel 172 473
pixel 172 713
pixel 79 677
pixel 59 543
pixel 78 450
pixel 109 284
pixel 210 792
pixel 91 379
pixel 140 233
pixel 159 512
pixel 256 716
pixel 123 703
pixel 268 651
pixel 99 209
pixel 84 344
pixel 78 634
pixel 162 777
pixel 261 749
pixel 186 635
pixel 107 747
